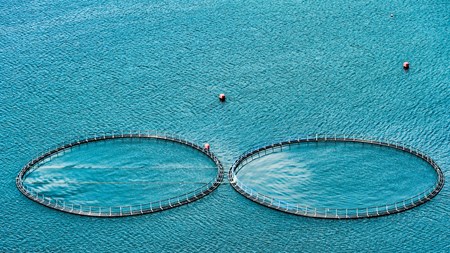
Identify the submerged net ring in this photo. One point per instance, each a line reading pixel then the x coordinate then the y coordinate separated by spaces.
pixel 118 211
pixel 333 213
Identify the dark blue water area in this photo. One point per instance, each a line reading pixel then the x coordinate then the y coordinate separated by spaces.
pixel 288 68
pixel 339 175
pixel 122 172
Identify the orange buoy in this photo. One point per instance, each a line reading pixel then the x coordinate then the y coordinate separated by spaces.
pixel 206 146
pixel 222 97
pixel 406 65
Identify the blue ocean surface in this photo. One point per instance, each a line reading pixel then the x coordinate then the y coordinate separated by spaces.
pixel 288 68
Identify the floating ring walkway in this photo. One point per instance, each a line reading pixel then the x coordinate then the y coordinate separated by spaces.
pixel 333 213
pixel 118 211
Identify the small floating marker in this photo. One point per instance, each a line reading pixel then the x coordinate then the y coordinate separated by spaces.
pixel 406 65
pixel 207 146
pixel 222 97
pixel 392 15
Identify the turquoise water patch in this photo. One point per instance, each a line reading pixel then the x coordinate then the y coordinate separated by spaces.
pixel 338 175
pixel 286 67
pixel 122 172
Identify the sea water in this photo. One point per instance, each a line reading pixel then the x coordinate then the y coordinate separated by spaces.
pixel 288 68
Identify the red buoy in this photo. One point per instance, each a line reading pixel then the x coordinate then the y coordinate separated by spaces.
pixel 206 146
pixel 406 65
pixel 222 97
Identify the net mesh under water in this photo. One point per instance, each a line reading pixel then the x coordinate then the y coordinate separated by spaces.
pixel 121 174
pixel 286 181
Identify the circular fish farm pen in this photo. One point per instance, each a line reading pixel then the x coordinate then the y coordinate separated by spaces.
pixel 310 210
pixel 61 204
